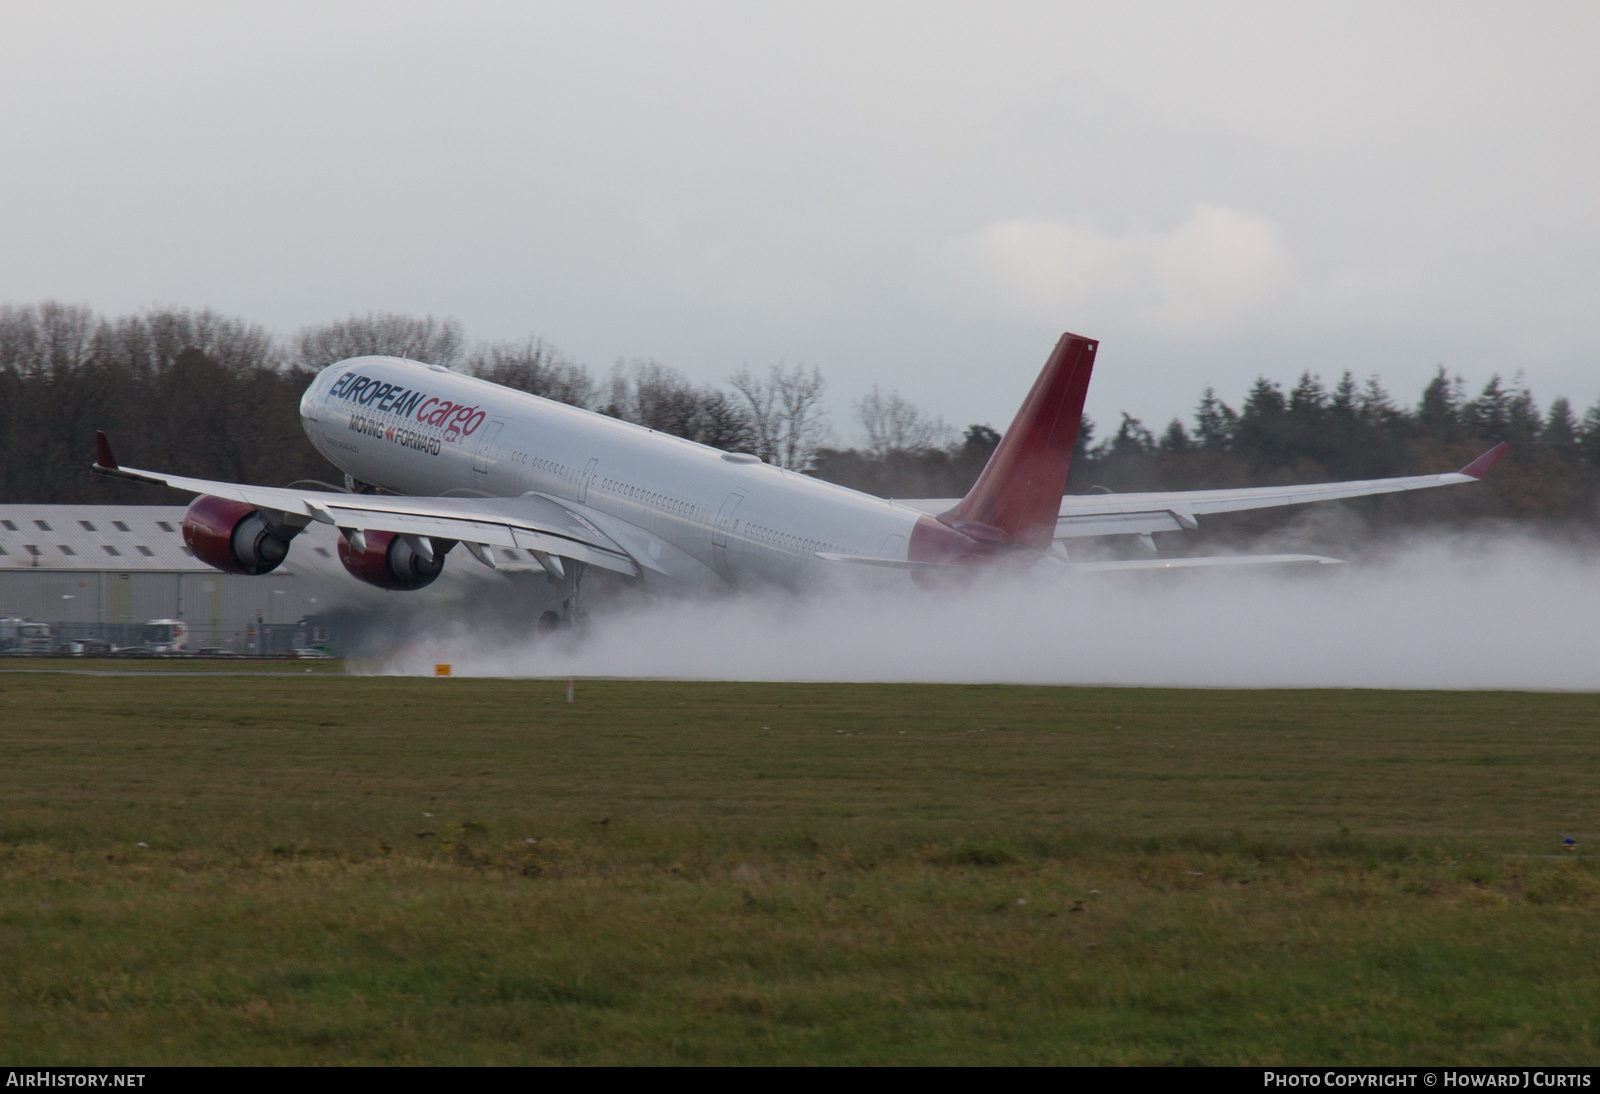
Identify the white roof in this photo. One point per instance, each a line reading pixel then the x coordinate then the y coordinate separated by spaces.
pixel 94 537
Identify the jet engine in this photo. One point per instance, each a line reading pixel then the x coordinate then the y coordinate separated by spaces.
pixel 392 561
pixel 234 536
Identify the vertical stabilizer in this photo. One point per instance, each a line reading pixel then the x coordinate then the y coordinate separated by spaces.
pixel 1018 496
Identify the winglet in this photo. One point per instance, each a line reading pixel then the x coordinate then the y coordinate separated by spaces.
pixel 1480 466
pixel 104 460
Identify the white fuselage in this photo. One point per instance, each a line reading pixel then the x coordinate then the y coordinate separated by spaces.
pixel 689 513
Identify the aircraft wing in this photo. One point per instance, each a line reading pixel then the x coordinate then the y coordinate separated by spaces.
pixel 532 522
pixel 1176 510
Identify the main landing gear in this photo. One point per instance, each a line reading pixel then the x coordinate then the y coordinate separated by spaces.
pixel 569 583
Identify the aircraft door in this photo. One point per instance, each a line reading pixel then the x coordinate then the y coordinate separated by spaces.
pixel 720 537
pixel 480 462
pixel 588 477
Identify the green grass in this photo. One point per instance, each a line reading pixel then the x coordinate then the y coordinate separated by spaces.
pixel 791 873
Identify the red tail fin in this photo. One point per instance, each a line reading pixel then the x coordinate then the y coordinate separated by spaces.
pixel 1018 496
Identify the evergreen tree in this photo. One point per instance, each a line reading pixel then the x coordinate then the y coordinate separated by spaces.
pixel 1589 435
pixel 1523 421
pixel 1489 415
pixel 1215 422
pixel 1560 429
pixel 980 441
pixel 1132 438
pixel 1439 412
pixel 1261 434
pixel 1374 407
pixel 1346 400
pixel 1175 439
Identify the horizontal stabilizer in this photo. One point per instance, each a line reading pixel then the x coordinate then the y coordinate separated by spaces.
pixel 1199 562
pixel 1204 562
pixel 892 563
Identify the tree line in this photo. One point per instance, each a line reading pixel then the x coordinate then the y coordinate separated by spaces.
pixel 200 394
pixel 196 393
pixel 1307 433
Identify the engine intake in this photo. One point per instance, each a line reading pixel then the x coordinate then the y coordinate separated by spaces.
pixel 234 536
pixel 392 561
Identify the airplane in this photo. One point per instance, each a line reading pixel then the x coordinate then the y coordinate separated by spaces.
pixel 434 459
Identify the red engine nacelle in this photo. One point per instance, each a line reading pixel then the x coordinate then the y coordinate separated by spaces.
pixel 234 537
pixel 392 562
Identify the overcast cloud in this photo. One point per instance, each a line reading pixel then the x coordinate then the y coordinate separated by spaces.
pixel 921 196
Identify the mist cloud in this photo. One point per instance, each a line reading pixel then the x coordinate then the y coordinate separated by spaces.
pixel 1444 612
pixel 1206 276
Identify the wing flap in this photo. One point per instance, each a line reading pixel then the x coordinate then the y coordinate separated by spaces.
pixel 1203 562
pixel 491 533
pixel 531 540
pixel 891 563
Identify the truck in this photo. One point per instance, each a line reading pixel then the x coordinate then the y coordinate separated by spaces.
pixel 165 638
pixel 24 638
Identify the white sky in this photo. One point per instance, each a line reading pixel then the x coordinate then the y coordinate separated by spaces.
pixel 917 195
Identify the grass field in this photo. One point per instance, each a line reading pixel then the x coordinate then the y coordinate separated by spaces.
pixel 337 869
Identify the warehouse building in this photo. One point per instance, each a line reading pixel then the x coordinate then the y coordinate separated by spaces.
pixel 104 572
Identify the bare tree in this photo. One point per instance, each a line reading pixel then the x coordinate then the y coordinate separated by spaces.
pixel 760 400
pixel 723 423
pixel 787 419
pixel 45 339
pixel 191 391
pixel 438 342
pixel 893 424
pixel 805 422
pixel 652 395
pixel 535 367
pixel 149 344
